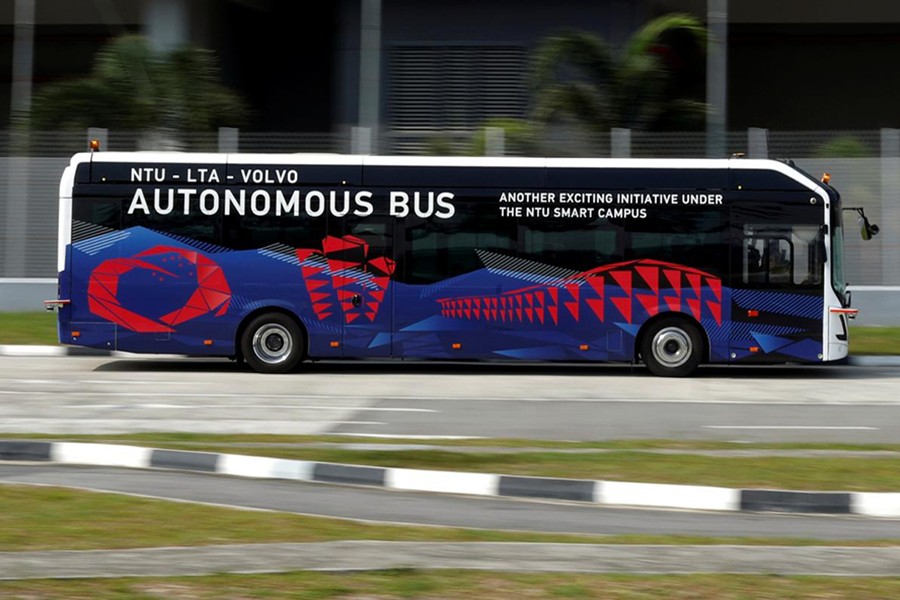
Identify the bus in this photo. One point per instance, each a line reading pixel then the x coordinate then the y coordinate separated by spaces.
pixel 276 259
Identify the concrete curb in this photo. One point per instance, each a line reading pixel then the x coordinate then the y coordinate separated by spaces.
pixel 23 350
pixel 609 493
pixel 26 350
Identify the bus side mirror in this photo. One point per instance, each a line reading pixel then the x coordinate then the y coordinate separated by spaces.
pixel 866 230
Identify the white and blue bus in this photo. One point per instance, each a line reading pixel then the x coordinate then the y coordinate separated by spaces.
pixel 277 259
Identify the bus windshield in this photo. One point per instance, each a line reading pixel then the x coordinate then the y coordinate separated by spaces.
pixel 838 279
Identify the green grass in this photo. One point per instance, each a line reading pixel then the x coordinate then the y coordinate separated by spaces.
pixel 40 328
pixel 875 340
pixel 28 328
pixel 459 585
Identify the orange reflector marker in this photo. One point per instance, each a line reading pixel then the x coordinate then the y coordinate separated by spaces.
pixel 752 313
pixel 207 342
pixel 456 346
pixel 76 334
pixel 335 344
pixel 754 349
pixel 584 347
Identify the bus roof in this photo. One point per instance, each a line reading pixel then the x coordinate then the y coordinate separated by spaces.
pixel 465 162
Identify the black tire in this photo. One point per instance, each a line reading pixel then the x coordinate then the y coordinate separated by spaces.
pixel 272 343
pixel 672 347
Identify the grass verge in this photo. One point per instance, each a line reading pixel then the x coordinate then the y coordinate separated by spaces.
pixel 459 585
pixel 28 328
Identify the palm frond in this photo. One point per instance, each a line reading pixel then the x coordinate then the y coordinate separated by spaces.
pixel 135 88
pixel 571 54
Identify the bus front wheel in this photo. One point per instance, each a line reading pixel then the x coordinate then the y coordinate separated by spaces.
pixel 272 343
pixel 672 347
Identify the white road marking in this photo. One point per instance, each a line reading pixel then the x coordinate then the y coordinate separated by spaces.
pixel 266 406
pixel 397 398
pixel 72 382
pixel 800 427
pixel 410 437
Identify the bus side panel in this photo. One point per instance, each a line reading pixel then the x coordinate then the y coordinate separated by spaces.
pixel 776 326
pixel 594 315
pixel 152 293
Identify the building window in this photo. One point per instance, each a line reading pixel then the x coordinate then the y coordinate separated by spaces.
pixel 446 87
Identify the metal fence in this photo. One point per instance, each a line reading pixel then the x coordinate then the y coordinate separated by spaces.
pixel 864 165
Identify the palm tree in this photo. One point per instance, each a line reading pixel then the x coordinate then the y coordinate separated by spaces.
pixel 656 83
pixel 134 88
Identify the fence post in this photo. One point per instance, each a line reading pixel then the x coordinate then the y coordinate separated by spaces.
pixel 370 72
pixel 620 143
pixel 360 140
pixel 494 141
pixel 716 78
pixel 890 194
pixel 15 224
pixel 757 142
pixel 229 140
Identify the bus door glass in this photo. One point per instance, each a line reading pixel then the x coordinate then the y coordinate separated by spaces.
pixel 454 275
pixel 96 236
pixel 362 262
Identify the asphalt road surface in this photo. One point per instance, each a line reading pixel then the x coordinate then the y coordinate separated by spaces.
pixel 434 400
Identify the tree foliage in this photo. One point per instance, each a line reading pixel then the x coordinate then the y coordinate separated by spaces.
pixel 134 88
pixel 655 83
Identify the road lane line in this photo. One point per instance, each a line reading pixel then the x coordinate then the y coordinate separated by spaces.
pixel 800 427
pixel 265 406
pixel 409 437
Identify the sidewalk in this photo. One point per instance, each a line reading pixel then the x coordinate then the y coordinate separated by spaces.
pixel 490 556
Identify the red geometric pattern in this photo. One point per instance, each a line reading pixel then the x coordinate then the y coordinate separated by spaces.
pixel 341 271
pixel 212 292
pixel 618 292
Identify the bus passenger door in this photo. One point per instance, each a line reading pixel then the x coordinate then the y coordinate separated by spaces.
pixel 363 283
pixel 777 282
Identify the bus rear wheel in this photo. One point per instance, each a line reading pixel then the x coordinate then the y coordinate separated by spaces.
pixel 672 347
pixel 272 343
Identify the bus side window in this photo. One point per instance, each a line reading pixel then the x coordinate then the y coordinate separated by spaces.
pixel 580 246
pixel 438 249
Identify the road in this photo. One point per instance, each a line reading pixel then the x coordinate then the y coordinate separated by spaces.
pixel 432 400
